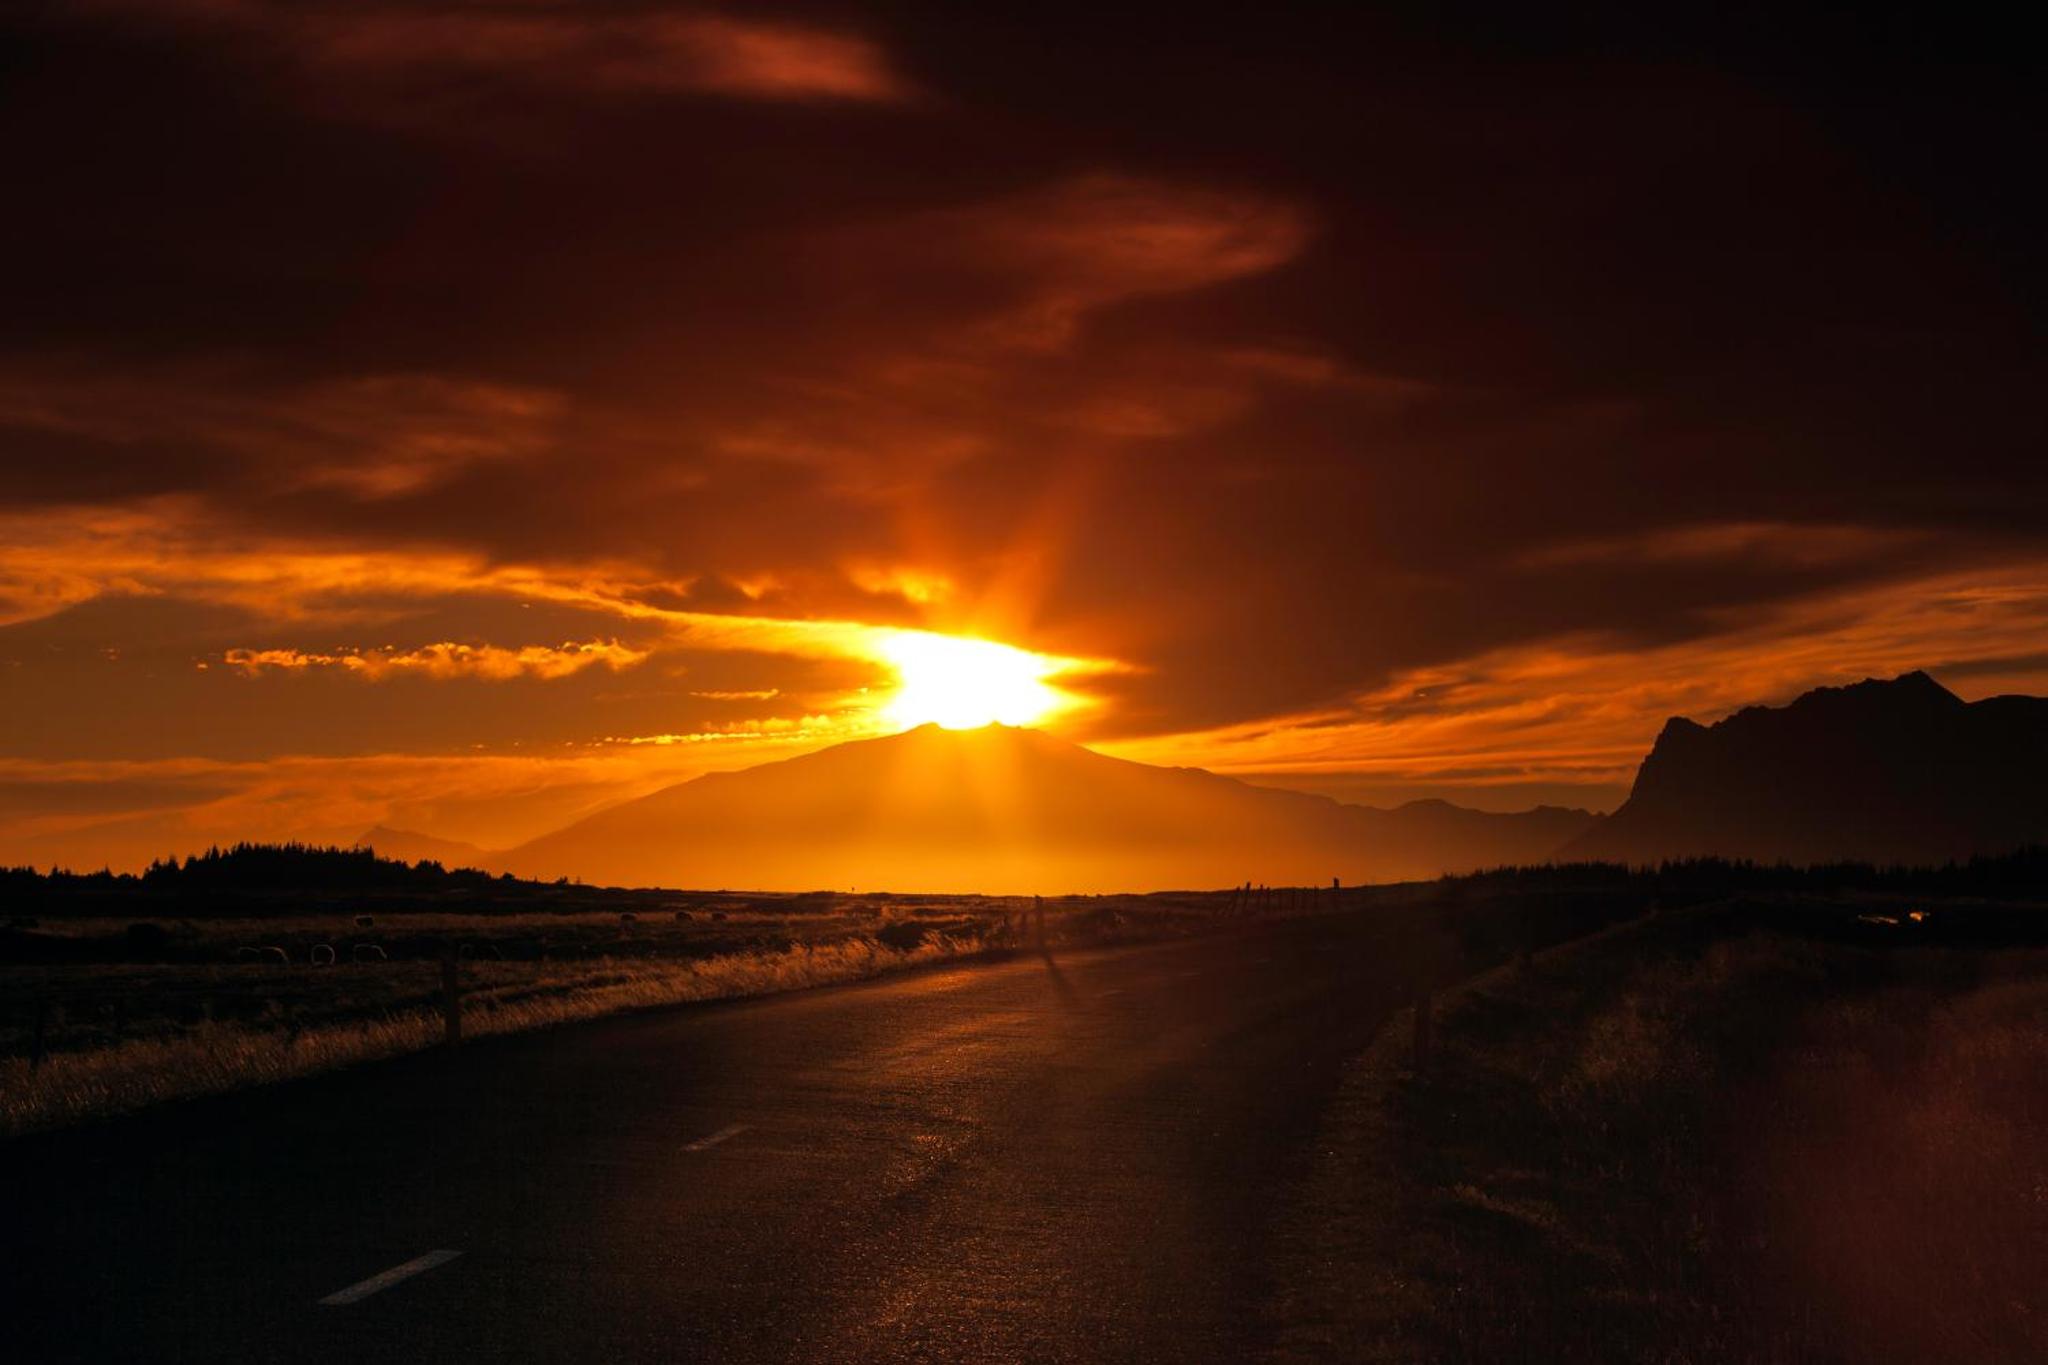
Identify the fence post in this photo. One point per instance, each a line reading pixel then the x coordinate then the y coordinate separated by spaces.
pixel 451 998
pixel 1424 1027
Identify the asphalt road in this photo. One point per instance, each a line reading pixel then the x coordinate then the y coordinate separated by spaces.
pixel 1078 1159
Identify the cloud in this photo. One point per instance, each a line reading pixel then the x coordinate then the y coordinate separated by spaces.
pixel 131 615
pixel 782 61
pixel 1296 378
pixel 1569 712
pixel 447 660
pixel 1080 244
pixel 603 50
pixel 1781 545
pixel 1584 709
pixel 51 559
pixel 369 436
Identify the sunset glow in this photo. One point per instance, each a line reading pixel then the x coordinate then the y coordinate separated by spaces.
pixel 842 681
pixel 960 683
pixel 343 495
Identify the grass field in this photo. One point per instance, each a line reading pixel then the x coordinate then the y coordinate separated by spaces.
pixel 84 1032
pixel 103 1012
pixel 1695 1138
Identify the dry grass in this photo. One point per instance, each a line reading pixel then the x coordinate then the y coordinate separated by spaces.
pixel 124 1036
pixel 1675 1145
pixel 1899 1202
pixel 213 1057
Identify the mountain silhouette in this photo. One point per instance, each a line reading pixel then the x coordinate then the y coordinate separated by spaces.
pixel 1902 771
pixel 409 847
pixel 1014 811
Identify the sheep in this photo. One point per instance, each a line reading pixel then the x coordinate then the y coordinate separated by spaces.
pixel 364 921
pixel 368 952
pixel 275 955
pixel 323 955
pixel 682 917
pixel 628 917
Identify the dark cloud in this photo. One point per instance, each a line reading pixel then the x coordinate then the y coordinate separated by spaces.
pixel 1280 355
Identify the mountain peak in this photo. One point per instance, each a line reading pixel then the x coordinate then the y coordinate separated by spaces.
pixel 1012 810
pixel 993 732
pixel 1883 770
pixel 409 846
pixel 1916 689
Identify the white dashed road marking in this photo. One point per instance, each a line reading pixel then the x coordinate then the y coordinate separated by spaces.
pixel 398 1274
pixel 714 1139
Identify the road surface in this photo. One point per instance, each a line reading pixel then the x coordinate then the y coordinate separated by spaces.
pixel 1078 1159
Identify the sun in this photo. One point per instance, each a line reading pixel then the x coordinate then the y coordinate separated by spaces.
pixel 962 683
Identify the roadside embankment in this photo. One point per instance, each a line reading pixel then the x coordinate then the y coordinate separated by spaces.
pixel 1741 1132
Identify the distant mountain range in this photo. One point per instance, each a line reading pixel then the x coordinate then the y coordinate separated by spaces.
pixel 1885 772
pixel 1004 810
pixel 409 847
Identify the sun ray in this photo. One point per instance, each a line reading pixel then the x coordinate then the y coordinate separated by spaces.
pixel 960 682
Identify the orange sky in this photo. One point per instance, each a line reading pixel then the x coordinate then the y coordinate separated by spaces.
pixel 461 417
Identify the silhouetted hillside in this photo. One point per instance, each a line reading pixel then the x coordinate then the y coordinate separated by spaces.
pixel 1016 811
pixel 409 847
pixel 1886 772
